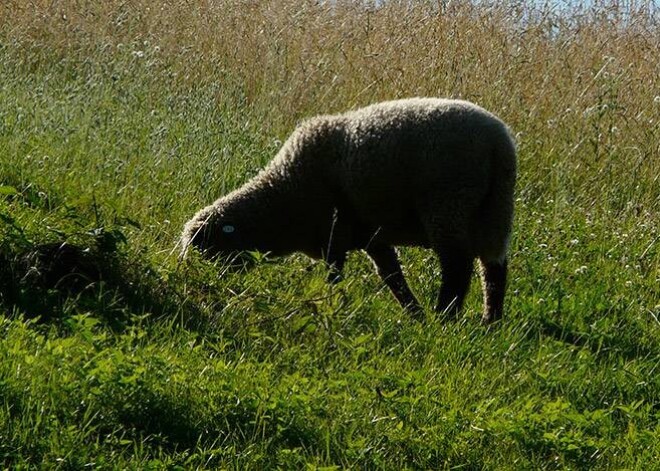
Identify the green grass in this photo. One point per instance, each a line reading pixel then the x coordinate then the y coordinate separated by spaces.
pixel 196 365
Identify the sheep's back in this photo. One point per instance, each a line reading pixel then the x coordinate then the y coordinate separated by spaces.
pixel 409 157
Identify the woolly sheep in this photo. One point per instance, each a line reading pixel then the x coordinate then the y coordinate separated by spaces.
pixel 427 172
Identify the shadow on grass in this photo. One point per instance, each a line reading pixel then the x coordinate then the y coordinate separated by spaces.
pixel 49 281
pixel 624 342
pixel 171 423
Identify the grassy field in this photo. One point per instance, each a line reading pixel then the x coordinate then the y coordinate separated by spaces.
pixel 118 120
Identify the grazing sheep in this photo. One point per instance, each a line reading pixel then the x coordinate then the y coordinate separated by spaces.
pixel 427 172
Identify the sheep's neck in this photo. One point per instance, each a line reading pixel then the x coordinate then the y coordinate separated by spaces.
pixel 288 216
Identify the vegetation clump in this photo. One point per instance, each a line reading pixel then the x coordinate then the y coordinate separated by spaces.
pixel 119 118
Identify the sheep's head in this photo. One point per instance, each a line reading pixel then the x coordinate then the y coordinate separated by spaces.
pixel 213 233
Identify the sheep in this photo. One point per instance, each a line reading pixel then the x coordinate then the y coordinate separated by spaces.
pixel 429 172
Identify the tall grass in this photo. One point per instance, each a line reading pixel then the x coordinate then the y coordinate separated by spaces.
pixel 119 119
pixel 578 84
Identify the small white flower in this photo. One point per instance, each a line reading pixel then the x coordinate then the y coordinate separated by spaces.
pixel 138 54
pixel 656 99
pixel 575 242
pixel 581 270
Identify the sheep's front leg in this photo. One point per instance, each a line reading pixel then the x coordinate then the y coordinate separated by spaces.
pixel 339 241
pixel 389 269
pixel 335 260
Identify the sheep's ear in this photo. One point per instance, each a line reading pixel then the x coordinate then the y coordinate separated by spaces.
pixel 228 228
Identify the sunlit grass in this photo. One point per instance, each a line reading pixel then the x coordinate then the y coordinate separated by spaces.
pixel 119 120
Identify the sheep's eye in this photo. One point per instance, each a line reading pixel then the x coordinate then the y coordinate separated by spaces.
pixel 228 229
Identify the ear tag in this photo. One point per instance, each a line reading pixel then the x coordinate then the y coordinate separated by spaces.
pixel 228 229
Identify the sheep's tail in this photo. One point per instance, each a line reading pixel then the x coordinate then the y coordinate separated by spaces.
pixel 496 218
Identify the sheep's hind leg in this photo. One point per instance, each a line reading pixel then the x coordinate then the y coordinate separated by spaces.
pixel 389 269
pixel 457 267
pixel 493 275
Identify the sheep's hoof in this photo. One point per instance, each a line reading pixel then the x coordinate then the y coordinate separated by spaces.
pixel 334 278
pixel 448 317
pixel 490 320
pixel 448 314
pixel 416 312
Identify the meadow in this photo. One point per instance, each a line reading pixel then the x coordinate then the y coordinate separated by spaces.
pixel 118 120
